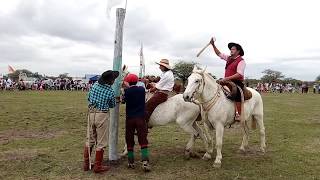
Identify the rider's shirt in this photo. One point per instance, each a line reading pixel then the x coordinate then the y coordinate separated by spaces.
pixel 241 65
pixel 166 82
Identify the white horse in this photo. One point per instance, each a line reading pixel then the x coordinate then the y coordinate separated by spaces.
pixel 175 109
pixel 218 111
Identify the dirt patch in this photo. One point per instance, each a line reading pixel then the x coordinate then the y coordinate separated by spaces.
pixel 19 154
pixel 11 135
pixel 253 152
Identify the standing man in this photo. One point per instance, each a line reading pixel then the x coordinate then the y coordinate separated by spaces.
pixel 234 70
pixel 161 88
pixel 101 99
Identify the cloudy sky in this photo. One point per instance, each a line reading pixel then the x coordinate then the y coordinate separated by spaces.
pixel 75 36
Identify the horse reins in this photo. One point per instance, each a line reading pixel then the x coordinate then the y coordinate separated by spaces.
pixel 210 102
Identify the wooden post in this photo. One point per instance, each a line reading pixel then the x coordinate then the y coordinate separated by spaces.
pixel 117 62
pixel 142 65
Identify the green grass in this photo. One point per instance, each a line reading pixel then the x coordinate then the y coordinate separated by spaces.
pixel 42 135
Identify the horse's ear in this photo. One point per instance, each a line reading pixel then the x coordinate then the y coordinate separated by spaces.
pixel 204 70
pixel 124 68
pixel 195 68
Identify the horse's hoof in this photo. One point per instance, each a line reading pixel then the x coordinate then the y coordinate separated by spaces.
pixel 206 156
pixel 194 155
pixel 262 151
pixel 122 155
pixel 241 150
pixel 217 165
pixel 187 155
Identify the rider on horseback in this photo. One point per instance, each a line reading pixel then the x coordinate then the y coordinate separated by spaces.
pixel 234 70
pixel 161 89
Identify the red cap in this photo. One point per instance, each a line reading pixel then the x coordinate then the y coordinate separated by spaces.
pixel 130 78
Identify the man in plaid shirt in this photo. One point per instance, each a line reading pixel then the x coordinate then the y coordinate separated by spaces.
pixel 101 99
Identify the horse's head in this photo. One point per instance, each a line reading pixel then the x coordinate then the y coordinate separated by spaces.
pixel 195 84
pixel 125 71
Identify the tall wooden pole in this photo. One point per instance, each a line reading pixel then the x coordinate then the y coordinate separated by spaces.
pixel 117 63
pixel 142 66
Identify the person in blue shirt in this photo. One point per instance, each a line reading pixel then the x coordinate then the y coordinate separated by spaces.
pixel 134 97
pixel 100 99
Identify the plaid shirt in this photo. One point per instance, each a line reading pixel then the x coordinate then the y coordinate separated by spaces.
pixel 101 97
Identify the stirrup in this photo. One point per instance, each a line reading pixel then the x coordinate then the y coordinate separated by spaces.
pixel 235 120
pixel 237 117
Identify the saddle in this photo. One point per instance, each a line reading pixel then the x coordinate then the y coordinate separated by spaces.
pixel 230 90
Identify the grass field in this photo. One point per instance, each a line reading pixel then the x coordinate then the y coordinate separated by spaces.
pixel 42 135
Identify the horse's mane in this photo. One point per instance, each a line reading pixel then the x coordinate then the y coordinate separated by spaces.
pixel 200 71
pixel 212 78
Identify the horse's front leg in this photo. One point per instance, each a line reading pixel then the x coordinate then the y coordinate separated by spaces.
pixel 219 137
pixel 124 151
pixel 193 133
pixel 188 149
pixel 245 138
pixel 204 139
pixel 207 133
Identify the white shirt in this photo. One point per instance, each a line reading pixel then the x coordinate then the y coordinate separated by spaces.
pixel 166 82
pixel 9 82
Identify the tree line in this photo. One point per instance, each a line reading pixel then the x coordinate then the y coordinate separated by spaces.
pixel 15 75
pixel 182 70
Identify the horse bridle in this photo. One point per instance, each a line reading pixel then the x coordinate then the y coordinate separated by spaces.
pixel 210 102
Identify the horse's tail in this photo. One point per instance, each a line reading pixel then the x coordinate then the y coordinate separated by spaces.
pixel 257 111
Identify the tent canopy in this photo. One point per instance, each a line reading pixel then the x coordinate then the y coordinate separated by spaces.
pixel 94 78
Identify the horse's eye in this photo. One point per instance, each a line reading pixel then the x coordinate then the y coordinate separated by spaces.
pixel 197 81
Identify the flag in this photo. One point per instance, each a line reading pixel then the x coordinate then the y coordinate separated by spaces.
pixel 10 69
pixel 113 3
pixel 142 64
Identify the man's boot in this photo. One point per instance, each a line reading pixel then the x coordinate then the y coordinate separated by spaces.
pixel 145 160
pixel 98 167
pixel 86 161
pixel 237 117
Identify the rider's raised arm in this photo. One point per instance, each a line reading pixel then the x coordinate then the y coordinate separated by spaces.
pixel 216 50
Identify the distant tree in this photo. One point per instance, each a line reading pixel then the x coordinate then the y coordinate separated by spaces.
pixel 251 82
pixel 37 75
pixel 183 70
pixel 51 77
pixel 272 76
pixel 291 81
pixel 64 75
pixel 318 78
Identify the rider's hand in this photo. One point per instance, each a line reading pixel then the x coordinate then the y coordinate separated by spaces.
pixel 212 40
pixel 221 81
pixel 125 84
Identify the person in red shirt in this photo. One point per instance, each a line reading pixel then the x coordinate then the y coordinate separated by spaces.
pixel 234 70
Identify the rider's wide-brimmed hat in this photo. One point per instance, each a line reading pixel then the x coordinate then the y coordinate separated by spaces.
pixel 108 76
pixel 230 45
pixel 165 63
